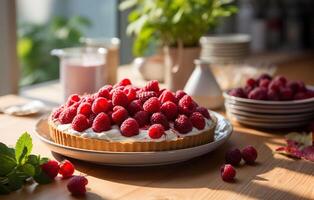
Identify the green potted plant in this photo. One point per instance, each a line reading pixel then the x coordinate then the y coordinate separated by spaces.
pixel 176 26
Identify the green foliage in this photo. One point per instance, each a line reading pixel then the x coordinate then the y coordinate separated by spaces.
pixel 170 22
pixel 36 41
pixel 18 166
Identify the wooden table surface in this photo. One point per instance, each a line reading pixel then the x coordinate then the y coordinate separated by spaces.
pixel 273 177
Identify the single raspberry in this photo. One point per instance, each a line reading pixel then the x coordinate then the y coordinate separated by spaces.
pixel 251 82
pixel 159 118
pixel 152 86
pixel 285 94
pixel 72 99
pixel 272 95
pixel 129 127
pixel 237 92
pixel 101 123
pixel 169 109
pixel 197 120
pixel 142 118
pixel 167 95
pixel 227 173
pixel 130 92
pixel 119 114
pixel 80 123
pixel 249 154
pixel 56 112
pixel 183 124
pixel 66 169
pixel 264 76
pixel 274 85
pixel 258 93
pixel 67 115
pixel 120 99
pixel 77 185
pixel 125 82
pixel 135 106
pixel 281 79
pixel 50 168
pixel 145 95
pixel 179 95
pixel 104 92
pixel 203 111
pixel 186 105
pixel 100 105
pixel 233 157
pixel 156 131
pixel 84 109
pixel 152 105
pixel 264 83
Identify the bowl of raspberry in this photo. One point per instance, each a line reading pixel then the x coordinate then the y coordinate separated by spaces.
pixel 271 102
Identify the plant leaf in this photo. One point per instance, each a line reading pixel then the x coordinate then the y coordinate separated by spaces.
pixel 4 189
pixel 28 169
pixel 23 148
pixel 7 159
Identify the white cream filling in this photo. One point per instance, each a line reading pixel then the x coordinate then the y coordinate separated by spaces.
pixel 114 133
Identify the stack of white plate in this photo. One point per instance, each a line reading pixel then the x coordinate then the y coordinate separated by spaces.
pixel 225 48
pixel 269 114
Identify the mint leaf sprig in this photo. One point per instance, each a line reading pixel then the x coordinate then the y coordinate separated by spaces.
pixel 18 165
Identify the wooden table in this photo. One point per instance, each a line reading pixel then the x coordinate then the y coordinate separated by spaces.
pixel 273 177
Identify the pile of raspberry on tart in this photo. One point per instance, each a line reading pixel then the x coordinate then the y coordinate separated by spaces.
pixel 125 118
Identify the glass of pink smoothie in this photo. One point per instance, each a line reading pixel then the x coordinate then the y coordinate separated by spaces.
pixel 81 69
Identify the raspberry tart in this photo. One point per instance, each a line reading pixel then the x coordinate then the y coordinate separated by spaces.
pixel 125 118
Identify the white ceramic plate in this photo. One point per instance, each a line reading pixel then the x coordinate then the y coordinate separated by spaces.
pixel 222 133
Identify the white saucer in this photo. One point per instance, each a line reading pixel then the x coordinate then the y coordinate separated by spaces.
pixel 222 133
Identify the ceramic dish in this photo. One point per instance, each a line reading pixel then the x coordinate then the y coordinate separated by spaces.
pixel 222 133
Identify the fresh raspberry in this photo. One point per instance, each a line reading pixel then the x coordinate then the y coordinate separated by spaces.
pixel 77 185
pixel 159 118
pixel 67 115
pixel 161 91
pixel 142 118
pixel 145 95
pixel 169 109
pixel 66 169
pixel 247 90
pixel 183 124
pixel 274 85
pixel 156 131
pixel 119 114
pixel 130 92
pixel 264 76
pixel 104 92
pixel 167 95
pixel 120 99
pixel 100 105
pixel 179 95
pixel 152 105
pixel 88 99
pixel 84 109
pixel 72 99
pixel 50 168
pixel 285 94
pixel 186 105
pixel 249 154
pixel 251 82
pixel 56 112
pixel 135 106
pixel 233 157
pixel 227 173
pixel 129 127
pixel 281 80
pixel 152 86
pixel 110 105
pixel 264 83
pixel 80 123
pixel 124 82
pixel 237 92
pixel 258 93
pixel 203 111
pixel 197 120
pixel 101 123
pixel 300 96
pixel 272 95
pixel 296 86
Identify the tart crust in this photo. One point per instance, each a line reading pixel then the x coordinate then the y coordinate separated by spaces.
pixel 68 139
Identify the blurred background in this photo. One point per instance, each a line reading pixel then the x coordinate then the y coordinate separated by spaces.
pixel 30 29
